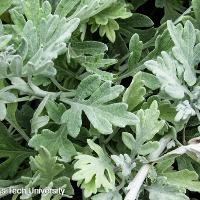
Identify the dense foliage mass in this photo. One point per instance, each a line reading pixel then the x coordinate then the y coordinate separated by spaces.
pixel 100 98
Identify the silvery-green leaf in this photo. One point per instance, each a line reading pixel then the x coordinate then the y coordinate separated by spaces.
pixel 149 147
pixel 163 43
pixel 125 163
pixel 43 48
pixel 146 129
pixel 172 9
pixel 21 85
pixel 135 48
pixel 4 40
pixel 134 94
pixel 166 192
pixel 196 7
pixel 16 66
pixel 65 7
pixel 87 47
pixel 55 142
pixel 184 179
pixel 184 39
pixel 46 166
pixel 37 123
pixel 128 140
pixel 90 55
pixel 94 172
pixel 89 8
pixel 165 68
pixel 11 66
pixel 164 165
pixel 102 14
pixel 191 148
pixel 184 111
pixel 150 81
pixel 23 49
pixel 34 11
pixel 55 110
pixel 18 20
pixel 2 111
pixel 167 109
pixel 102 114
pixel 7 97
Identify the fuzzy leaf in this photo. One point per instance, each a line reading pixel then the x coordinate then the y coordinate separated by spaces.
pixel 167 109
pixel 184 39
pixel 134 94
pixel 196 7
pixel 106 22
pixel 184 179
pixel 91 171
pixel 165 68
pixel 173 9
pixel 128 140
pixel 150 81
pixel 91 55
pixel 2 111
pixel 149 147
pixel 135 24
pixel 135 48
pixel 46 167
pixel 184 111
pixel 12 67
pixel 193 149
pixel 101 114
pixel 38 122
pixel 43 48
pixel 55 142
pixel 166 192
pixel 55 110
pixel 125 163
pixel 4 40
pixel 52 44
pixel 34 11
pixel 145 131
pixel 65 7
pixel 89 8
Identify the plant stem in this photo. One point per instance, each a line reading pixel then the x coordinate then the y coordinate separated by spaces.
pixel 162 145
pixel 41 93
pixel 121 185
pixel 57 84
pixel 185 13
pixel 135 185
pixel 137 182
pixel 109 138
pixel 19 130
pixel 183 136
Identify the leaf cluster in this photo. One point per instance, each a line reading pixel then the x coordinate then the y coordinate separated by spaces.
pixel 100 98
